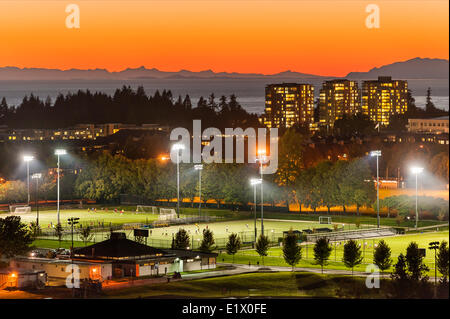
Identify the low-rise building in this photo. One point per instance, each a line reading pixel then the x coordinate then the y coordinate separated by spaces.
pixel 437 125
pixel 119 257
pixel 77 132
pixel 22 278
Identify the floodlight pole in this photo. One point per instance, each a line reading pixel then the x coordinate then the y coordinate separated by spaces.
pixel 37 203
pixel 417 211
pixel 57 200
pixel 178 183
pixel 199 192
pixel 28 181
pixel 254 209
pixel 378 195
pixel 377 154
pixel 262 198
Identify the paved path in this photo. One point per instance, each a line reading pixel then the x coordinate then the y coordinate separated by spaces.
pixel 240 268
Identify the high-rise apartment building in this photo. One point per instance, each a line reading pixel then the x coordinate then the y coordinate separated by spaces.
pixel 383 98
pixel 288 104
pixel 338 98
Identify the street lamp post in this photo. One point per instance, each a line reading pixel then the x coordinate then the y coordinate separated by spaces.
pixel 177 147
pixel 416 171
pixel 58 153
pixel 37 176
pixel 28 159
pixel 377 154
pixel 254 182
pixel 199 168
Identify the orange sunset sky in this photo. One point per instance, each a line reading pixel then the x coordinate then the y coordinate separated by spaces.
pixel 319 37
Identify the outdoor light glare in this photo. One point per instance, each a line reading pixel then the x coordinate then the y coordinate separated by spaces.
pixel 375 153
pixel 178 146
pixel 28 158
pixel 416 170
pixel 60 152
pixel 198 167
pixel 255 181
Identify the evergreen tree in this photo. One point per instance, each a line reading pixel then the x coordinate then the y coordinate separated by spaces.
pixel 429 106
pixel 223 105
pixel 202 103
pixel 322 251
pixel 262 246
pixel 181 240
pixel 187 103
pixel 442 261
pixel 382 256
pixel 292 252
pixel 234 104
pixel 208 241
pixel 3 111
pixel 352 254
pixel 212 102
pixel 233 245
pixel 400 269
pixel 414 259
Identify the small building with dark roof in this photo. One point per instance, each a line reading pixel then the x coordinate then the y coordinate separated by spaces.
pixel 119 257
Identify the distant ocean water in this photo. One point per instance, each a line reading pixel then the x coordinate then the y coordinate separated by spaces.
pixel 250 92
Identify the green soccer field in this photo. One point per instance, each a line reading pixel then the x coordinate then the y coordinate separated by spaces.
pixel 106 217
pixel 244 228
pixel 162 237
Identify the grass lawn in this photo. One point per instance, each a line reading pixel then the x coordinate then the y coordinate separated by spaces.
pixel 279 284
pixel 398 245
pixel 364 220
pixel 87 217
pixel 53 244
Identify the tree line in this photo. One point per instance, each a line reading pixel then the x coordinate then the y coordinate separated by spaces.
pixel 342 183
pixel 126 105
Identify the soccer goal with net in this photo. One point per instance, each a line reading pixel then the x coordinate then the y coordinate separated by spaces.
pixel 18 209
pixel 167 214
pixel 324 220
pixel 147 209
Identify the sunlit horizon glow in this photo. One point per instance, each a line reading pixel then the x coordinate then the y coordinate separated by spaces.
pixel 247 36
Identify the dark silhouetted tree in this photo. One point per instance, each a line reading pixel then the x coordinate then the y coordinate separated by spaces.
pixel 322 251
